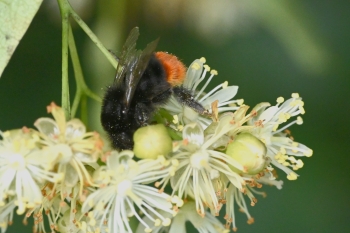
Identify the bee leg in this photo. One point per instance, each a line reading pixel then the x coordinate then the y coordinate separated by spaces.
pixel 161 98
pixel 142 113
pixel 185 97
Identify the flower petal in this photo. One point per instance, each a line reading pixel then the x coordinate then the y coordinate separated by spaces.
pixel 194 73
pixel 223 95
pixel 75 128
pixel 194 134
pixel 71 176
pixel 47 126
pixel 268 114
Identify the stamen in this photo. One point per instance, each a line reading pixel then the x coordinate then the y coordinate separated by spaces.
pixel 295 95
pixel 205 85
pixel 211 92
pixel 292 176
pixel 288 125
pixel 280 100
pixel 195 66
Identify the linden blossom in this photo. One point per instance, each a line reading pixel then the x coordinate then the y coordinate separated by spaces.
pixel 206 167
pixel 278 144
pixel 23 170
pixel 198 165
pixel 70 144
pixel 113 203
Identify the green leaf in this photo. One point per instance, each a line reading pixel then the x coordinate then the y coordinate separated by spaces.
pixel 15 18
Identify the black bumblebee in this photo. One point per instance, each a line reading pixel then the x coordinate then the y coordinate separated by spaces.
pixel 144 81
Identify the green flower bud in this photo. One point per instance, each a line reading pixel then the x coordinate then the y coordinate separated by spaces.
pixel 152 141
pixel 249 151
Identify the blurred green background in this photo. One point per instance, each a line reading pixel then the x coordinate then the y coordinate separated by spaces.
pixel 268 48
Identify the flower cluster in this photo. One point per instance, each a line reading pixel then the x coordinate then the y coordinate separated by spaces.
pixel 188 167
pixel 40 168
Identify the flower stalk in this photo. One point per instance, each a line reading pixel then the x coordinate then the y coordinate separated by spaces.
pixel 82 88
pixel 65 99
pixel 67 11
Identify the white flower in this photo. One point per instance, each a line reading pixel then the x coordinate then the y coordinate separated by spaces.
pixel 206 224
pixel 223 93
pixel 70 144
pixel 279 146
pixel 23 169
pixel 123 185
pixel 199 165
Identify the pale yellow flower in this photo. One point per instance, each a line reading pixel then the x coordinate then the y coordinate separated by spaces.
pixel 70 144
pixel 24 169
pixel 271 128
pixel 123 186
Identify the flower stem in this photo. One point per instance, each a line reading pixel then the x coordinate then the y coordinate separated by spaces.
pixel 68 43
pixel 64 9
pixel 94 38
pixel 82 88
pixel 84 110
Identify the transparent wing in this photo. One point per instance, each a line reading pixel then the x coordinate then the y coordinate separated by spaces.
pixel 127 56
pixel 138 66
pixel 132 64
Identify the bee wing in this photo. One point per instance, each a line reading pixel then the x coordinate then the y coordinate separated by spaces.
pixel 128 54
pixel 137 66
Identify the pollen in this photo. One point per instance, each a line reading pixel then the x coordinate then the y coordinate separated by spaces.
pixel 185 141
pixel 299 120
pixel 308 153
pixel 178 201
pixel 196 66
pixel 157 222
pixel 214 72
pixel 295 95
pixel 280 100
pixel 202 59
pixel 166 222
pixel 250 220
pixel 175 119
pixel 51 107
pixel 240 102
pixel 174 68
pixel 292 176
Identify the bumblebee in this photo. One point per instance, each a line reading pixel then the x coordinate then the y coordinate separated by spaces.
pixel 144 81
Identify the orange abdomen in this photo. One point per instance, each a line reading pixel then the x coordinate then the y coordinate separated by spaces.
pixel 174 68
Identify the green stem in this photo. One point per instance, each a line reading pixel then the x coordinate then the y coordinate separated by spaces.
pixel 94 38
pixel 84 110
pixel 65 10
pixel 82 88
